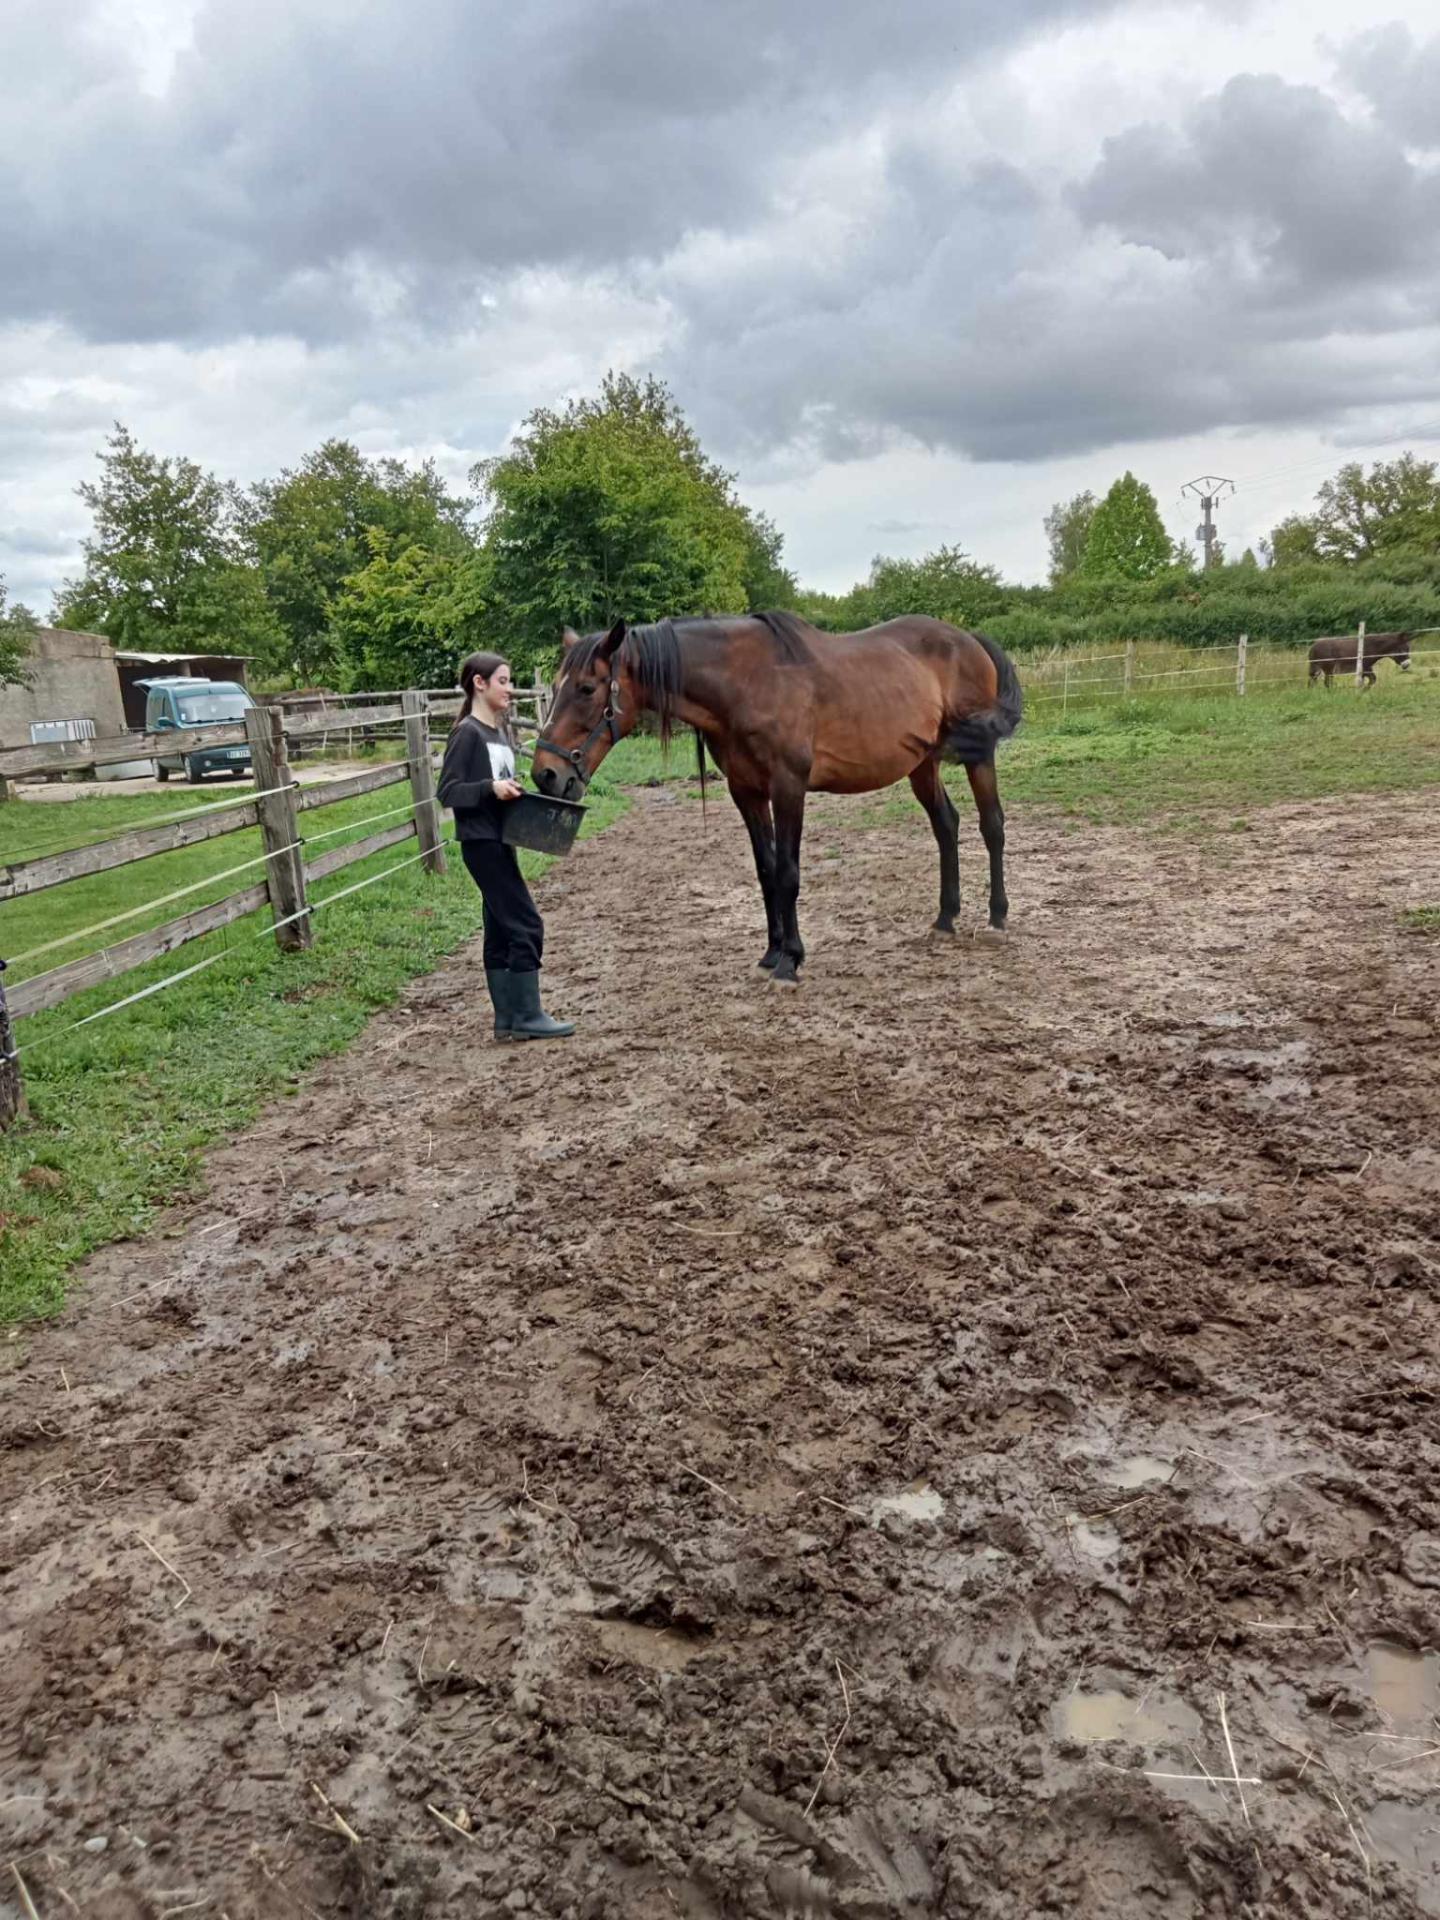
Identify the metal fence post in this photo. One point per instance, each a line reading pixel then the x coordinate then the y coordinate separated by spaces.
pixel 1242 647
pixel 1360 656
pixel 279 828
pixel 422 779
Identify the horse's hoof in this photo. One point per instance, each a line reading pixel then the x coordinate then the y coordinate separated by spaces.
pixel 768 961
pixel 786 973
pixel 944 926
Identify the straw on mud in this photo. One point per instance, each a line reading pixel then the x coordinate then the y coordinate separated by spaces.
pixel 1359 1845
pixel 1230 1749
pixel 172 1570
pixel 446 1821
pixel 1411 1760
pixel 840 1506
pixel 342 1824
pixel 25 1900
pixel 834 1744
pixel 705 1481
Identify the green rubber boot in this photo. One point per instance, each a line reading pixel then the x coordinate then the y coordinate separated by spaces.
pixel 528 1022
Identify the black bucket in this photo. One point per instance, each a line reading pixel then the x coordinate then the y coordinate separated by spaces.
pixel 541 825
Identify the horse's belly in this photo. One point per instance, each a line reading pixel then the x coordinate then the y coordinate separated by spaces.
pixel 836 770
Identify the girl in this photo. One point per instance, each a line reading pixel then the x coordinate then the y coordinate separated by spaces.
pixel 477 780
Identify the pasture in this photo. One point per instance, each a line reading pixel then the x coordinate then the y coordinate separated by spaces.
pixel 957 1438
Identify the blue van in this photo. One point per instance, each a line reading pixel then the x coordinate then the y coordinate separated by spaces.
pixel 185 702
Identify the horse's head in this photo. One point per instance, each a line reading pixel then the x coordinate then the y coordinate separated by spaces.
pixel 592 709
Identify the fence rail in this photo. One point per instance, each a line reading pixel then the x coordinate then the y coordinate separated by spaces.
pixel 289 862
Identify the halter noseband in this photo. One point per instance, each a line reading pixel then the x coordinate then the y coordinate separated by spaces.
pixel 574 757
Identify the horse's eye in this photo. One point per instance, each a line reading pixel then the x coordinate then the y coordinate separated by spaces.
pixel 587 689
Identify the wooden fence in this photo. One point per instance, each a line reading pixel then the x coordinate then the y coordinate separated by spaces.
pixel 275 808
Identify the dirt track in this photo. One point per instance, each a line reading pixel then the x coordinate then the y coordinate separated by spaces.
pixel 966 1368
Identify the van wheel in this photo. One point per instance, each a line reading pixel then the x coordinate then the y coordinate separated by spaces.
pixel 192 773
pixel 162 774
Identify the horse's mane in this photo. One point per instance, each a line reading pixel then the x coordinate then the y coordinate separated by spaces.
pixel 652 654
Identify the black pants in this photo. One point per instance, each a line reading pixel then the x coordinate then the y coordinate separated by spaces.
pixel 514 931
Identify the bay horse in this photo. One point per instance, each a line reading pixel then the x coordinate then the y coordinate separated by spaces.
pixel 1338 652
pixel 786 710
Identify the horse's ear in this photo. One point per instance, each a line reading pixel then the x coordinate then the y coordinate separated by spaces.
pixel 610 645
pixel 569 638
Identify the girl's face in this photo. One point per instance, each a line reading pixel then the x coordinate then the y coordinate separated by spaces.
pixel 497 689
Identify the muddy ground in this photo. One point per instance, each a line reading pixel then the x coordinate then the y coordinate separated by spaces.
pixel 786 1453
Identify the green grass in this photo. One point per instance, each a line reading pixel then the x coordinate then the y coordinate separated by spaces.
pixel 121 1111
pixel 1197 761
pixel 1421 920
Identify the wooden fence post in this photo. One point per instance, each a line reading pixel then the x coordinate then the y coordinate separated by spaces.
pixel 279 828
pixel 422 780
pixel 1360 656
pixel 12 1094
pixel 1242 647
pixel 1129 668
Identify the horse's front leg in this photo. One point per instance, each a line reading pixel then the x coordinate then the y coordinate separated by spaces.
pixel 755 812
pixel 788 803
pixel 929 790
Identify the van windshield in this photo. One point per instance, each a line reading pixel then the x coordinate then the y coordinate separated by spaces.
pixel 202 709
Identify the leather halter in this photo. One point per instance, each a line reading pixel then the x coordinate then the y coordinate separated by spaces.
pixel 574 757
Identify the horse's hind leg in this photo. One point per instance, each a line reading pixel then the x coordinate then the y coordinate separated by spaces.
pixel 929 790
pixel 986 790
pixel 789 807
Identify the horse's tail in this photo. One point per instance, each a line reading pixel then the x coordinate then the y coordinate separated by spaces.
pixel 973 738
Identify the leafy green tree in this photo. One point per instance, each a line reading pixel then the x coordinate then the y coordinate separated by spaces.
pixel 409 616
pixel 609 508
pixel 946 584
pixel 1295 542
pixel 1067 527
pixel 1127 538
pixel 768 582
pixel 165 566
pixel 310 530
pixel 1395 507
pixel 17 634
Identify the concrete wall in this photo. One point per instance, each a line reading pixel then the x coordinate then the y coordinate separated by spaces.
pixel 72 677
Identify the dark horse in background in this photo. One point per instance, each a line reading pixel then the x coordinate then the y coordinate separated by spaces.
pixel 1339 653
pixel 786 710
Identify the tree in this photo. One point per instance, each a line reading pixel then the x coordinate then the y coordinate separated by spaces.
pixel 610 509
pixel 767 582
pixel 17 635
pixel 310 530
pixel 946 584
pixel 1067 527
pixel 1295 542
pixel 1127 538
pixel 409 616
pixel 165 567
pixel 1396 506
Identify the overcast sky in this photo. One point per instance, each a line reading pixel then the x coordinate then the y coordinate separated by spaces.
pixel 915 271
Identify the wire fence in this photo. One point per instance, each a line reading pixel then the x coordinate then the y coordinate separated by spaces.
pixel 1232 667
pixel 214 959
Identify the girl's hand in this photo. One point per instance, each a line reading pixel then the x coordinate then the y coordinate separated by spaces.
pixel 507 789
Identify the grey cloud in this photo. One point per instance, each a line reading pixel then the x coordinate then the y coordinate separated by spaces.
pixel 306 171
pixel 1276 173
pixel 1400 79
pixel 1269 260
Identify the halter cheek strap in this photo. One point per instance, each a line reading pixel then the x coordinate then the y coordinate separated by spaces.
pixel 574 757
